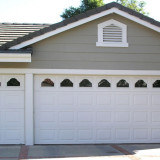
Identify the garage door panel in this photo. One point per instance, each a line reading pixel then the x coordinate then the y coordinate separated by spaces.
pixel 104 99
pixel 47 116
pixel 103 117
pixel 45 124
pixel 141 134
pixel 13 100
pixel 155 134
pixel 85 100
pixel 47 134
pixel 123 134
pixel 45 98
pixel 67 117
pixel 122 99
pixel 140 117
pixel 66 134
pixel 85 117
pixel 12 136
pixel 1 100
pixel 155 100
pixel 122 117
pixel 141 100
pixel 67 99
pixel 85 124
pixel 77 115
pixel 103 135
pixel 1 136
pixel 155 117
pixel 14 119
pixel 85 135
pixel 1 117
pixel 12 110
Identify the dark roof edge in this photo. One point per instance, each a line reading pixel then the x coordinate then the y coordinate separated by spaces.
pixel 7 23
pixel 17 51
pixel 79 17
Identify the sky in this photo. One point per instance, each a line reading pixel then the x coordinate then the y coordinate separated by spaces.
pixel 49 11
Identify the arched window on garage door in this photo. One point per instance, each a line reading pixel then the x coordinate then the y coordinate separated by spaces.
pixel 66 83
pixel 13 82
pixel 104 83
pixel 156 84
pixel 122 83
pixel 141 84
pixel 47 83
pixel 85 83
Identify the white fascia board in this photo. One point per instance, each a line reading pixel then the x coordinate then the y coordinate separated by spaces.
pixel 85 20
pixel 137 20
pixel 81 72
pixel 12 57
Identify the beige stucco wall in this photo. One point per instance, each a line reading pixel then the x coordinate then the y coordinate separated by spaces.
pixel 76 49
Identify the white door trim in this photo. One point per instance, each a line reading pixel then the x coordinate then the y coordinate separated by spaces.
pixel 29 129
pixel 79 72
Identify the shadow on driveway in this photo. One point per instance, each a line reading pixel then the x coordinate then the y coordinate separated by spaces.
pixel 106 152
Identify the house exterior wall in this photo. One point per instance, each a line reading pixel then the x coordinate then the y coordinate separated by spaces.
pixel 76 49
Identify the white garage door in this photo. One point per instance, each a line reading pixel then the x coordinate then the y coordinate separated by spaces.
pixel 94 109
pixel 11 109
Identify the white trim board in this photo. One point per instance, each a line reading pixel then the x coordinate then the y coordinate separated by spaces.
pixel 80 72
pixel 12 57
pixel 29 114
pixel 83 21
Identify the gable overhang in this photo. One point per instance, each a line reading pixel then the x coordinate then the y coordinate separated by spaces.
pixel 15 57
pixel 86 20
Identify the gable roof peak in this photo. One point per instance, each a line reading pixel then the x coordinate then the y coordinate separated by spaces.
pixel 75 21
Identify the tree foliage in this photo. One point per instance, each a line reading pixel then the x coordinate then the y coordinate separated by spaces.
pixel 134 4
pixel 85 6
pixel 137 5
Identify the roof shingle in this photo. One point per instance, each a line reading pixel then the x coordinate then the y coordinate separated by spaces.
pixel 11 31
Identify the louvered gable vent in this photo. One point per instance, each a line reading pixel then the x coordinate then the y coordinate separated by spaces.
pixel 112 34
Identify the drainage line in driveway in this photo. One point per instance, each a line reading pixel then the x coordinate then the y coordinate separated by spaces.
pixel 130 155
pixel 23 152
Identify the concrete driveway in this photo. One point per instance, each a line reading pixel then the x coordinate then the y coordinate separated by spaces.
pixel 85 152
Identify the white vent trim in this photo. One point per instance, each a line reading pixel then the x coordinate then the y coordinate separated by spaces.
pixel 118 38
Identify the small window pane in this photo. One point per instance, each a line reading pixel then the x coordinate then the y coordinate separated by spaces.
pixel 13 82
pixel 122 83
pixel 104 83
pixel 66 83
pixel 156 84
pixel 85 83
pixel 140 84
pixel 47 83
